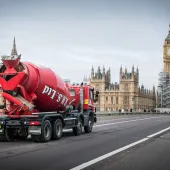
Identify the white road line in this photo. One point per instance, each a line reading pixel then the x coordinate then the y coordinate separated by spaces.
pixel 126 121
pixel 117 119
pixel 114 123
pixel 89 163
pixel 158 133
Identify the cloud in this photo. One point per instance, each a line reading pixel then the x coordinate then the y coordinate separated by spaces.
pixel 71 37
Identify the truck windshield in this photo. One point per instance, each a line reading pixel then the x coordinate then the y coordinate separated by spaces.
pixel 72 92
pixel 91 94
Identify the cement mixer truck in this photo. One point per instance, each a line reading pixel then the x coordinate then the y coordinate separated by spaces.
pixel 37 102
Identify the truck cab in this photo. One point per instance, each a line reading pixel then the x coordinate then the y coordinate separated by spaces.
pixel 83 97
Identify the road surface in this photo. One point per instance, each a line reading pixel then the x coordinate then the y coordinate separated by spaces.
pixel 153 154
pixel 72 151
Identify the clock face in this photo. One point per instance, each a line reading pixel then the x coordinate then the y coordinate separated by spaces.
pixel 168 51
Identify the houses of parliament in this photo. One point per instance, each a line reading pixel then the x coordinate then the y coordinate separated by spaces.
pixel 126 95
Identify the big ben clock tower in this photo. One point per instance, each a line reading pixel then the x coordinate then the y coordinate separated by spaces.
pixel 166 56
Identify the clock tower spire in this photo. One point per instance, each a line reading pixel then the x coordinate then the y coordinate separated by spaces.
pixel 166 55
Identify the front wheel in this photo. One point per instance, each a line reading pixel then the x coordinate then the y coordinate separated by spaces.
pixel 89 127
pixel 78 129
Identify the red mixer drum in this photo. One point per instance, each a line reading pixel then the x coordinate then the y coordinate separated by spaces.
pixel 50 89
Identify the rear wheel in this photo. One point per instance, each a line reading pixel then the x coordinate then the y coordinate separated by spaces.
pixel 22 133
pixel 2 138
pixel 10 134
pixel 35 138
pixel 57 129
pixel 46 133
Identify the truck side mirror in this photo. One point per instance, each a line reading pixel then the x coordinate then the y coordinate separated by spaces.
pixel 96 96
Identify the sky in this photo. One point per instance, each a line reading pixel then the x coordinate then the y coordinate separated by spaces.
pixel 70 36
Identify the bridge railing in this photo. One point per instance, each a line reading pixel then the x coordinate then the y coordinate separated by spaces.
pixel 129 113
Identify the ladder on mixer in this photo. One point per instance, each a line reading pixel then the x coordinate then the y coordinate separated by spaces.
pixel 22 100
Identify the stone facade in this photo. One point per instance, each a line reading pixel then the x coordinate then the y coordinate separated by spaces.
pixel 166 53
pixel 125 95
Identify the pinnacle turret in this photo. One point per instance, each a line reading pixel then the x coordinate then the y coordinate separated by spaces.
pixel 133 69
pixel 14 49
pixel 92 72
pixel 137 70
pixel 103 70
pixel 125 70
pixel 121 69
pixel 92 69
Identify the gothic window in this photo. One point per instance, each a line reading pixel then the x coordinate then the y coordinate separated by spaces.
pixel 97 109
pixel 106 99
pixel 112 100
pixel 126 87
pixel 117 100
pixel 97 87
pixel 126 100
pixel 130 75
pixel 123 76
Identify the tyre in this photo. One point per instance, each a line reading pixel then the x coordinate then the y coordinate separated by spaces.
pixel 78 130
pixel 57 129
pixel 35 138
pixel 2 138
pixel 22 134
pixel 89 127
pixel 10 134
pixel 46 133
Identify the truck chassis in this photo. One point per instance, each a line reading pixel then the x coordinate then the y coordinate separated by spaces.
pixel 45 126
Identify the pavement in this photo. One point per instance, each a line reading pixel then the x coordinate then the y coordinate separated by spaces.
pixel 108 135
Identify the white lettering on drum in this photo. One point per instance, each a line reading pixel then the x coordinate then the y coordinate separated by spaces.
pixel 64 101
pixel 53 95
pixel 60 98
pixel 46 88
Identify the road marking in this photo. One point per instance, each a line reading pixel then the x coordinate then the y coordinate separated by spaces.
pixel 117 119
pixel 89 163
pixel 158 133
pixel 114 123
pixel 126 121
